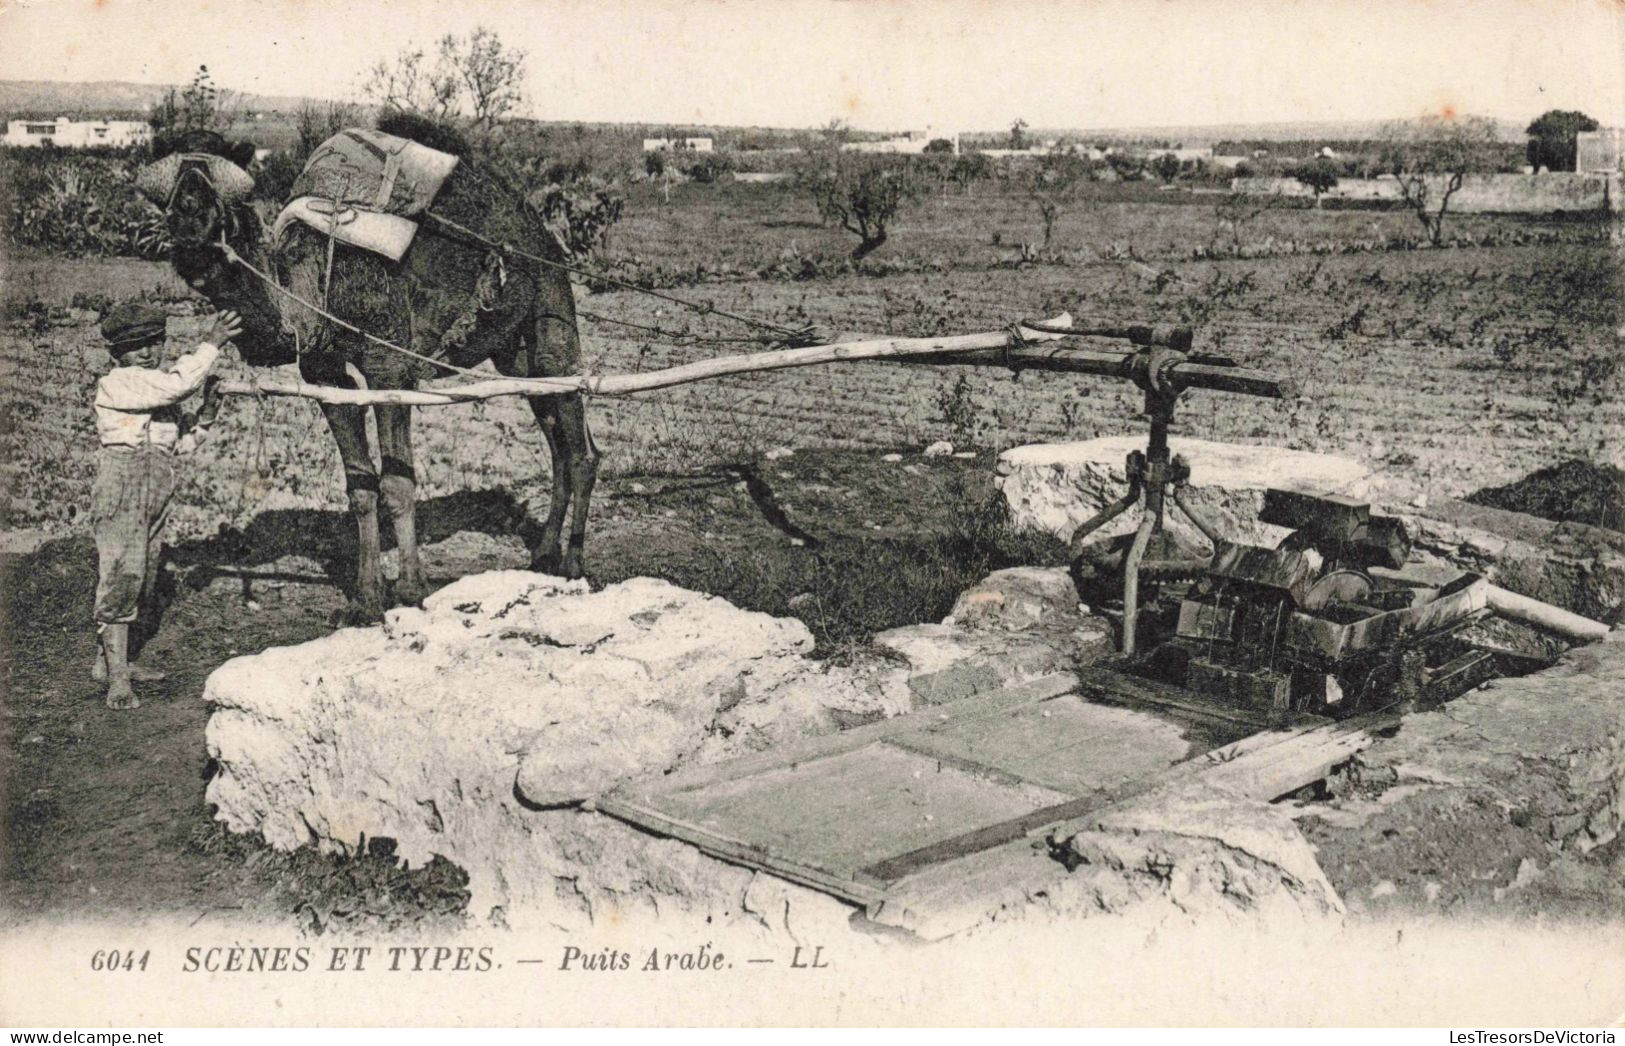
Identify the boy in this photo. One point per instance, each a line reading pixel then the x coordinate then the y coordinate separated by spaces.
pixel 139 422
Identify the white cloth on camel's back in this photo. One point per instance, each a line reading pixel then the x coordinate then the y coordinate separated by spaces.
pixel 363 188
pixel 386 234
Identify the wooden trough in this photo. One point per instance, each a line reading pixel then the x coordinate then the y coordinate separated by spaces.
pixel 927 819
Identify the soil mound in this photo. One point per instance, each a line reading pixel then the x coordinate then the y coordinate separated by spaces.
pixel 1572 492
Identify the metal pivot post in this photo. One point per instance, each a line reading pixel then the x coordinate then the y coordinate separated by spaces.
pixel 1152 475
pixel 1159 406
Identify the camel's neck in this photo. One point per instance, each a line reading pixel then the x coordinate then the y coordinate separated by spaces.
pixel 228 285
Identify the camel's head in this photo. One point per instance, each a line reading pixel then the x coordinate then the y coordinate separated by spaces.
pixel 199 179
pixel 202 183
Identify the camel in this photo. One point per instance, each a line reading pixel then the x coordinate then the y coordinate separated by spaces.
pixel 449 298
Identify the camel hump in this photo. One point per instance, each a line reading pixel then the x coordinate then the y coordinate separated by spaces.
pixel 424 131
pixel 211 143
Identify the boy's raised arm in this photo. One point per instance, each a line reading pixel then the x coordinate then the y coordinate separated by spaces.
pixel 141 389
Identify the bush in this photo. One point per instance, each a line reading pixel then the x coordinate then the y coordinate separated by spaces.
pixel 581 212
pixel 79 203
pixel 707 168
pixel 1128 168
pixel 274 177
pixel 579 201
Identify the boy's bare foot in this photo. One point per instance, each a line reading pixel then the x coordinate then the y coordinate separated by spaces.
pixel 120 697
pixel 138 673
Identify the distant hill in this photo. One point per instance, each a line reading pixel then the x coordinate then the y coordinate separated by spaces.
pixel 43 98
pixel 111 97
pixel 1306 130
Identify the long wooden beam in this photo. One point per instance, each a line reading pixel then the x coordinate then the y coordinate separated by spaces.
pixel 627 384
pixel 988 349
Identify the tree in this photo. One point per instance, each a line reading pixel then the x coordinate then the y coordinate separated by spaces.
pixel 1018 134
pixel 410 83
pixel 200 106
pixel 833 135
pixel 968 169
pixel 1320 176
pixel 706 168
pixel 862 193
pixel 476 77
pixel 1052 184
pixel 580 212
pixel 1127 166
pixel 1552 139
pixel 1431 158
pixel 1166 167
pixel 939 145
pixel 493 75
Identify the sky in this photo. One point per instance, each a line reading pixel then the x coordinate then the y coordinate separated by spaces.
pixel 886 64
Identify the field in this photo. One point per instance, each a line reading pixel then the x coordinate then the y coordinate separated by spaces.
pixel 1466 367
pixel 1452 369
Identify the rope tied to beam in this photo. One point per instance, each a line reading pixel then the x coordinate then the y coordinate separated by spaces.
pixel 1018 340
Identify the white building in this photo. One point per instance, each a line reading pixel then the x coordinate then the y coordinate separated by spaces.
pixel 677 145
pixel 76 134
pixel 1599 151
pixel 1183 155
pixel 914 142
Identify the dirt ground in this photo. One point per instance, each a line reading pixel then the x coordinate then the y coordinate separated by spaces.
pixel 1464 369
pixel 104 811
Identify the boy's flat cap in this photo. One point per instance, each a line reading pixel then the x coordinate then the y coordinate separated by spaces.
pixel 130 324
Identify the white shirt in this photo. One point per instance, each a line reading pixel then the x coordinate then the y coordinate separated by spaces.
pixel 127 398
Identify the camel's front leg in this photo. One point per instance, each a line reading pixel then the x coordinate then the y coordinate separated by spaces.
pixel 398 490
pixel 349 428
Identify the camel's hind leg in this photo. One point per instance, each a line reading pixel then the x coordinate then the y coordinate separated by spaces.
pixel 546 556
pixel 575 470
pixel 548 346
pixel 582 465
pixel 349 426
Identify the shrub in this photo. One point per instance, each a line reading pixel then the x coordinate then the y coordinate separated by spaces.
pixel 79 203
pixel 707 168
pixel 860 193
pixel 274 177
pixel 1319 176
pixel 1128 168
pixel 581 212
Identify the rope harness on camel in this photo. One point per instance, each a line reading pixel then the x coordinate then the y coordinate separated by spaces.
pixel 780 337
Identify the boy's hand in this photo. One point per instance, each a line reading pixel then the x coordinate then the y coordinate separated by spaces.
pixel 226 326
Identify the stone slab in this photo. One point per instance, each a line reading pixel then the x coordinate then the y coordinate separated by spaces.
pixel 1054 487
